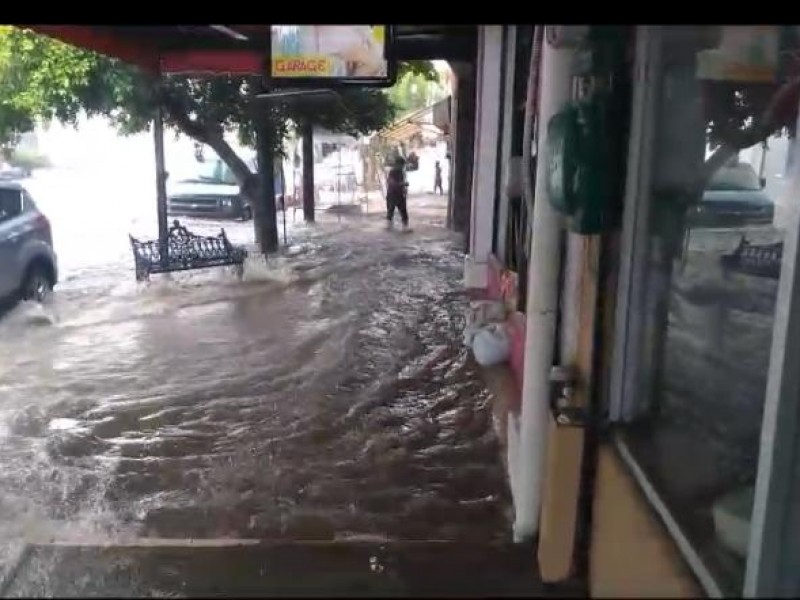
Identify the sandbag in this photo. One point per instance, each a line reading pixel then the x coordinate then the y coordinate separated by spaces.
pixel 491 345
pixel 479 314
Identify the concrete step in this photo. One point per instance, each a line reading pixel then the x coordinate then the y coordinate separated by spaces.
pixel 252 568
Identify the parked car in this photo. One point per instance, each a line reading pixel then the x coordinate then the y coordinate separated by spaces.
pixel 211 190
pixel 734 197
pixel 28 265
pixel 11 173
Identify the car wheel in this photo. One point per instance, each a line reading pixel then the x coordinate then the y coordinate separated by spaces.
pixel 37 285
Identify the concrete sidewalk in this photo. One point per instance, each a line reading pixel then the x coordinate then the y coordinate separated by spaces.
pixel 294 569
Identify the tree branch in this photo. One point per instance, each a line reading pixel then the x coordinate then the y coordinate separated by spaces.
pixel 785 99
pixel 209 134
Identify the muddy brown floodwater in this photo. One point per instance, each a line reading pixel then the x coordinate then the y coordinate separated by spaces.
pixel 326 395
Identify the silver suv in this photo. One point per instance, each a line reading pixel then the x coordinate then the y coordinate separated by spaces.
pixel 28 265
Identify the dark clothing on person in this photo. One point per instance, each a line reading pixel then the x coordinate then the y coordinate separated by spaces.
pixel 396 194
pixel 437 181
pixel 398 203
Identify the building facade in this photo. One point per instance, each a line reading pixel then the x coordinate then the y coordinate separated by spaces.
pixel 658 457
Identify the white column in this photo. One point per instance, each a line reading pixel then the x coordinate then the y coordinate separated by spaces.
pixel 542 306
pixel 487 121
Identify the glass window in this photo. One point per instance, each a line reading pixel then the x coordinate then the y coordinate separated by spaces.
pixel 10 204
pixel 712 260
pixel 28 204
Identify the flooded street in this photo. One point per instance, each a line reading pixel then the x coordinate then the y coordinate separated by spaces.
pixel 325 396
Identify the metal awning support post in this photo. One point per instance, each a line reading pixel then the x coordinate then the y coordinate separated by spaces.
pixel 161 183
pixel 308 171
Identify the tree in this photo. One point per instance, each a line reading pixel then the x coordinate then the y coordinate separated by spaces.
pixel 415 90
pixel 47 79
pixel 14 121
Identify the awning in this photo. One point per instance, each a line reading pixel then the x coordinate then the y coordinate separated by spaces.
pixel 419 122
pixel 238 49
pixel 405 130
pixel 401 133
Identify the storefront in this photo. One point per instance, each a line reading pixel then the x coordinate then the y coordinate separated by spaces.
pixel 704 389
pixel 695 385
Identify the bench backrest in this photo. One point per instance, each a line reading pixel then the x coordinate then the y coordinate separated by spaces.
pixel 763 260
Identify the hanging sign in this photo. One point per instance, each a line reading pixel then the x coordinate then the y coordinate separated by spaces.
pixel 323 55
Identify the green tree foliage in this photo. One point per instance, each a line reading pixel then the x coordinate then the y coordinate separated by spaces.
pixel 14 120
pixel 416 90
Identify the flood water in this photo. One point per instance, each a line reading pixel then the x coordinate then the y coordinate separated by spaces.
pixel 326 395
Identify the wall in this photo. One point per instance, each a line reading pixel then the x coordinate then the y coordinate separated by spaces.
pixel 631 553
pixel 484 175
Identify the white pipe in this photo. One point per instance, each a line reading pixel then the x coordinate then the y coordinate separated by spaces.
pixel 542 304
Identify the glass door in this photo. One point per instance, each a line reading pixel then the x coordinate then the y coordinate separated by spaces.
pixel 707 216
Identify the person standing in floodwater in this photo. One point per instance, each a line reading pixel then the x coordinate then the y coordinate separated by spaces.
pixel 437 179
pixel 396 192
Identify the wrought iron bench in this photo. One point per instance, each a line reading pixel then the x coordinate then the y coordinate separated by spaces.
pixel 185 251
pixel 750 259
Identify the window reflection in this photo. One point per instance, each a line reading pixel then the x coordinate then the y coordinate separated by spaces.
pixel 713 256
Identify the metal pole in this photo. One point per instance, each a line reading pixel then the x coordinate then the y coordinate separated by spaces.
pixel 339 188
pixel 542 306
pixel 294 184
pixel 283 192
pixel 161 183
pixel 309 189
pixel 763 165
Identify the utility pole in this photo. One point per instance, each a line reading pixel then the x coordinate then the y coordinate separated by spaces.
pixel 308 171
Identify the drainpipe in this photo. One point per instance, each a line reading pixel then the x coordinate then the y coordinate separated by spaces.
pixel 542 303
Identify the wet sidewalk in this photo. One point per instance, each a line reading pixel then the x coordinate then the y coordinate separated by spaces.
pixel 324 398
pixel 351 569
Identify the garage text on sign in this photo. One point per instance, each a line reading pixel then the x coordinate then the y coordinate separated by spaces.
pixel 302 67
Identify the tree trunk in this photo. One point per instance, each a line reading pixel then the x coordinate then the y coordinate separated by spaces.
pixel 265 216
pixel 308 172
pixel 252 186
pixel 253 189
